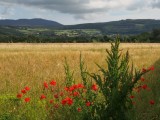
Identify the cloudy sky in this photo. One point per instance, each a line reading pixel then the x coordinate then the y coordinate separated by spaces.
pixel 80 11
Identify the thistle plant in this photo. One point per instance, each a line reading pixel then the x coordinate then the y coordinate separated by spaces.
pixel 116 83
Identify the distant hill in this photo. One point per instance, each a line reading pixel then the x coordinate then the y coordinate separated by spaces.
pixel 42 31
pixel 124 27
pixel 36 22
pixel 129 26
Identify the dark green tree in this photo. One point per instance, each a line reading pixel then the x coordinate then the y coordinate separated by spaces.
pixel 155 35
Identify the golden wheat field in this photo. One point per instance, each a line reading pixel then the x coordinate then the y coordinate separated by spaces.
pixel 31 64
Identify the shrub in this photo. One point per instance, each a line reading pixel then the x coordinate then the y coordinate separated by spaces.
pixel 116 83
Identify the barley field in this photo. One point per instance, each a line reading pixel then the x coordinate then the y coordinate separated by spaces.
pixel 32 64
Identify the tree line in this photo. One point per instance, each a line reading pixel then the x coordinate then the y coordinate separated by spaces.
pixel 148 37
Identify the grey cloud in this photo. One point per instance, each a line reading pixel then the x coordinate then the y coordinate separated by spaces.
pixel 78 8
pixel 135 6
pixel 156 4
pixel 65 6
pixel 5 11
pixel 140 4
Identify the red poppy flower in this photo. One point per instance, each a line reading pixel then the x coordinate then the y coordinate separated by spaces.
pixel 51 101
pixel 70 101
pixel 67 100
pixel 53 83
pixel 75 86
pixel 142 79
pixel 23 91
pixel 131 96
pixel 76 94
pixel 27 88
pixel 56 96
pixel 42 96
pixel 45 85
pixel 64 102
pixel 144 70
pixel 151 68
pixel 94 87
pixel 61 94
pixel 144 86
pixel 79 109
pixel 88 104
pixel 152 102
pixel 66 88
pixel 27 99
pixel 71 88
pixel 19 95
pixel 80 86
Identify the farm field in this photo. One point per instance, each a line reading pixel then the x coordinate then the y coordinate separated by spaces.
pixel 32 64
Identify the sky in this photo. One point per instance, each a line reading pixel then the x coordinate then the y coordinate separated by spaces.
pixel 69 12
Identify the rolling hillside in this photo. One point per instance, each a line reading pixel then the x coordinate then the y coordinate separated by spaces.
pixel 36 22
pixel 128 26
pixel 40 30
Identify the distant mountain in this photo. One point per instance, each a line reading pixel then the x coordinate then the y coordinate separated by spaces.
pixel 129 26
pixel 36 22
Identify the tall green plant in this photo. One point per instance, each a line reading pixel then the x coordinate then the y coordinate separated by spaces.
pixel 69 75
pixel 115 83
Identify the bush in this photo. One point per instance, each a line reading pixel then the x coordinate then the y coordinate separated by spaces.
pixel 116 84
